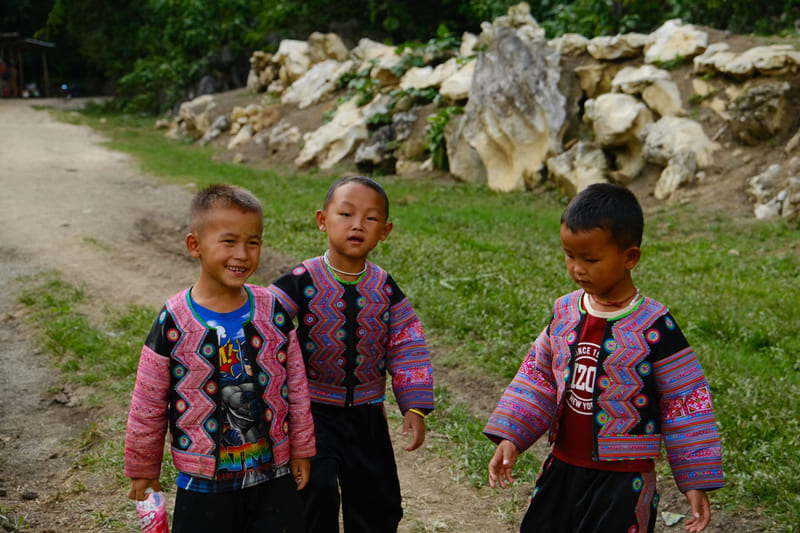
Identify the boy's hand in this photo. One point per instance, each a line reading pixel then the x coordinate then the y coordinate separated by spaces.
pixel 501 464
pixel 301 469
pixel 416 424
pixel 139 486
pixel 701 511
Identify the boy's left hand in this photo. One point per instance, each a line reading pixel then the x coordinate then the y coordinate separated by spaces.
pixel 416 424
pixel 301 468
pixel 701 511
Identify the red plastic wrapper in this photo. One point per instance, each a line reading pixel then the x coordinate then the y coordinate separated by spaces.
pixel 153 513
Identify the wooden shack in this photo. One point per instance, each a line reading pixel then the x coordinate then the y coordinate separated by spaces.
pixel 13 50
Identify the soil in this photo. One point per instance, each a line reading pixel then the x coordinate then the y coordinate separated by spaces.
pixel 72 205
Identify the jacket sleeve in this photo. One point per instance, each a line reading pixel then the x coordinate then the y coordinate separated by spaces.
pixel 148 417
pixel 687 417
pixel 527 407
pixel 301 424
pixel 286 290
pixel 407 359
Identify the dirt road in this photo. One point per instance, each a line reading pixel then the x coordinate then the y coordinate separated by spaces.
pixel 70 204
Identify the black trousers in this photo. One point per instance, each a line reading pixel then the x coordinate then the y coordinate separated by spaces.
pixel 571 499
pixel 271 507
pixel 354 457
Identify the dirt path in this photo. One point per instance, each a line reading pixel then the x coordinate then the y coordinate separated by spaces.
pixel 69 204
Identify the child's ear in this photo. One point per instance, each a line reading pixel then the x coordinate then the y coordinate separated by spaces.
pixel 320 217
pixel 632 257
pixel 387 229
pixel 192 245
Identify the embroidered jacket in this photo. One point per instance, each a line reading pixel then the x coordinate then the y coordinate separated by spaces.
pixel 649 386
pixel 177 386
pixel 351 334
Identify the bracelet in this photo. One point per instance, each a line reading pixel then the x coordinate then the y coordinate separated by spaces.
pixel 417 412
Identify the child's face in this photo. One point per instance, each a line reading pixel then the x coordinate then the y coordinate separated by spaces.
pixel 355 220
pixel 597 264
pixel 228 245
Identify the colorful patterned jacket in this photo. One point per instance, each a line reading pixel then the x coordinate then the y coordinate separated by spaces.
pixel 648 385
pixel 177 386
pixel 351 334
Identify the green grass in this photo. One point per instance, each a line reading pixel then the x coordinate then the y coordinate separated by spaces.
pixel 482 269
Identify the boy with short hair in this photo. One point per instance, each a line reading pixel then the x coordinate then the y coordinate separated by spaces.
pixel 354 325
pixel 222 370
pixel 609 377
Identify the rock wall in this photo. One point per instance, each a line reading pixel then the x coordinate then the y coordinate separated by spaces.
pixel 511 109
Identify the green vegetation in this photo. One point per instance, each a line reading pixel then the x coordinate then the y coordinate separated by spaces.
pixel 482 269
pixel 156 52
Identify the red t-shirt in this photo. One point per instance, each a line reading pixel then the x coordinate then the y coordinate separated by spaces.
pixel 574 441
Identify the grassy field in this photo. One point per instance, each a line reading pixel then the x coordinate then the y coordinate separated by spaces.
pixel 482 269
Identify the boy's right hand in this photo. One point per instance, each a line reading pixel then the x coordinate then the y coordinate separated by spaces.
pixel 139 486
pixel 501 464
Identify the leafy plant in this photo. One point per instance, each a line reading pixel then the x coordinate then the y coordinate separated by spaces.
pixel 435 135
pixel 443 46
pixel 360 85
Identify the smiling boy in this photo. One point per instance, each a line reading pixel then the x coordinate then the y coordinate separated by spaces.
pixel 222 371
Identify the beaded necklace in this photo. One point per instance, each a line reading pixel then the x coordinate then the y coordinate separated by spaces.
pixel 342 272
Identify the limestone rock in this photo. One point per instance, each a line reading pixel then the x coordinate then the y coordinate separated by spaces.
pixel 456 88
pixel 680 170
pixel 261 72
pixel 220 125
pixel 469 42
pixel 577 168
pixel 283 136
pixel 664 98
pixel 292 59
pixel 243 136
pixel 325 46
pixel 617 119
pixel 424 77
pixel 633 80
pixel 317 84
pixel 673 40
pixel 515 111
pixel 758 114
pixel 670 136
pixel 570 44
pixel 609 48
pixel 769 60
pixel 377 151
pixel 195 115
pixel 776 191
pixel 379 58
pixel 465 162
pixel 519 19
pixel 715 56
pixel 337 139
pixel 592 79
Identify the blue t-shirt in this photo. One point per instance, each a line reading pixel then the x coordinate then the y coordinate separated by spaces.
pixel 245 453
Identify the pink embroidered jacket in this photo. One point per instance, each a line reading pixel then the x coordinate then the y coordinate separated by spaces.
pixel 177 388
pixel 649 387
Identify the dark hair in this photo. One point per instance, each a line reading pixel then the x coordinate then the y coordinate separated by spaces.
pixel 610 207
pixel 363 180
pixel 222 195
